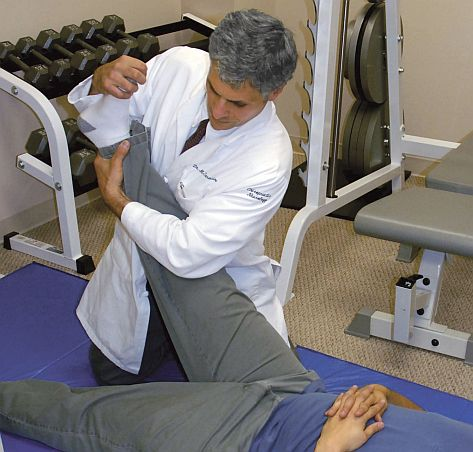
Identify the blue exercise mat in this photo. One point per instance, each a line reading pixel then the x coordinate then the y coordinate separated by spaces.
pixel 40 337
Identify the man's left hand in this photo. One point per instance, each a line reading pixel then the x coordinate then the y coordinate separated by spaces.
pixel 366 397
pixel 110 179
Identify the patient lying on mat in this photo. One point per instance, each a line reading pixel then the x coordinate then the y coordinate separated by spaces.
pixel 247 391
pixel 257 399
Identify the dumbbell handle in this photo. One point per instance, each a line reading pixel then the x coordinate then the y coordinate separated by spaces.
pixel 85 45
pixel 85 142
pixel 21 64
pixel 104 39
pixel 62 50
pixel 125 35
pixel 41 57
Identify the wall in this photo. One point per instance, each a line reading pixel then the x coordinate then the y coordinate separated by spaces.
pixel 437 85
pixel 436 88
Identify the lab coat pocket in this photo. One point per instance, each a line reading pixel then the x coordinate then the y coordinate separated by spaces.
pixel 192 187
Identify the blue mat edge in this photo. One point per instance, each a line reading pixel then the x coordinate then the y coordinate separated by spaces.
pixel 39 264
pixel 391 377
pixel 431 399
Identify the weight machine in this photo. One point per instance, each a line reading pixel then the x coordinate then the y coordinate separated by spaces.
pixel 323 122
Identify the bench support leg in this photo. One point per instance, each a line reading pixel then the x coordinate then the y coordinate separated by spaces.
pixel 415 309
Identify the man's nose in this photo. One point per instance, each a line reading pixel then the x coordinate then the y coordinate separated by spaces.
pixel 219 108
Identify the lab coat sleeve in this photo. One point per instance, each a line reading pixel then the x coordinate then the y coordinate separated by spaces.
pixel 80 98
pixel 216 229
pixel 158 69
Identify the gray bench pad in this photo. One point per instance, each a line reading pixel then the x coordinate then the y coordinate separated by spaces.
pixel 432 219
pixel 455 171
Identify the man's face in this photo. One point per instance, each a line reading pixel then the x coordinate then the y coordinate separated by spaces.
pixel 230 107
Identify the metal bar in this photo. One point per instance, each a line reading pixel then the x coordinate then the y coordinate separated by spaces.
pixel 426 147
pixel 61 171
pixel 393 49
pixel 337 110
pixel 439 338
pixel 164 29
pixel 309 214
pixel 328 21
pixel 36 168
pixel 200 25
pixel 431 268
pixel 42 250
pixel 188 22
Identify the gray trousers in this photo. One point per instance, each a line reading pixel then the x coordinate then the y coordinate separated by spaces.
pixel 238 366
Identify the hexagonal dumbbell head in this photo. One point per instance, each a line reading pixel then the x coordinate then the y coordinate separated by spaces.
pixel 6 48
pixel 148 45
pixel 82 166
pixel 24 45
pixel 91 27
pixel 113 24
pixel 69 33
pixel 61 69
pixel 48 38
pixel 38 145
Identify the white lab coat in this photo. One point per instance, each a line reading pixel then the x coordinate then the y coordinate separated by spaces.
pixel 231 184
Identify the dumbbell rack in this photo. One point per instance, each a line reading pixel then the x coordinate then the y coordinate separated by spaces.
pixel 58 175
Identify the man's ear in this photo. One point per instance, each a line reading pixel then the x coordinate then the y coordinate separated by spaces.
pixel 273 95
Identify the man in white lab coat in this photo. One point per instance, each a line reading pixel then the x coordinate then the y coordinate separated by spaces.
pixel 230 184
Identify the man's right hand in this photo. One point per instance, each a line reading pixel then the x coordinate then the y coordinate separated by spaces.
pixel 350 432
pixel 119 78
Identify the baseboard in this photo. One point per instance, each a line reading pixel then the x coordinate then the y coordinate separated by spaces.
pixel 40 214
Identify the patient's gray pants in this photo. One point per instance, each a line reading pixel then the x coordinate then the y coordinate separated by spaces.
pixel 238 366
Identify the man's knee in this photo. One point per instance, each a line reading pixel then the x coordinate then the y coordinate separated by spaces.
pixel 107 373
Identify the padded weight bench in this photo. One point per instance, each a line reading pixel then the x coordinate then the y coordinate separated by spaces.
pixel 439 221
pixel 455 171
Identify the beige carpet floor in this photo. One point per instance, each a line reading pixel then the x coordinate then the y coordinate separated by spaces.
pixel 338 273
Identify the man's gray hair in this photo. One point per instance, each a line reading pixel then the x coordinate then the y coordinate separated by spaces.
pixel 252 46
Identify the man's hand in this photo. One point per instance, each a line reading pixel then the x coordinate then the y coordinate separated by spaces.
pixel 349 433
pixel 120 78
pixel 110 179
pixel 368 396
pixel 364 397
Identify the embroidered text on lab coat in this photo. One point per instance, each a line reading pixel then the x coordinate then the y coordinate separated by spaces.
pixel 203 172
pixel 263 197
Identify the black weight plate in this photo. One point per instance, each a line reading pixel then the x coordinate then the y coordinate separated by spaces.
pixel 354 162
pixel 358 162
pixel 371 146
pixel 347 131
pixel 354 48
pixel 351 26
pixel 373 72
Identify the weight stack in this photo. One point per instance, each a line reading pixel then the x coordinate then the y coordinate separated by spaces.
pixel 365 138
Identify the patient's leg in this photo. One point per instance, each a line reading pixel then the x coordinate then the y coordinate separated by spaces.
pixel 215 329
pixel 147 417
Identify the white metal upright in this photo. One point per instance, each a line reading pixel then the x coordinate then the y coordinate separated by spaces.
pixel 321 90
pixel 57 176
